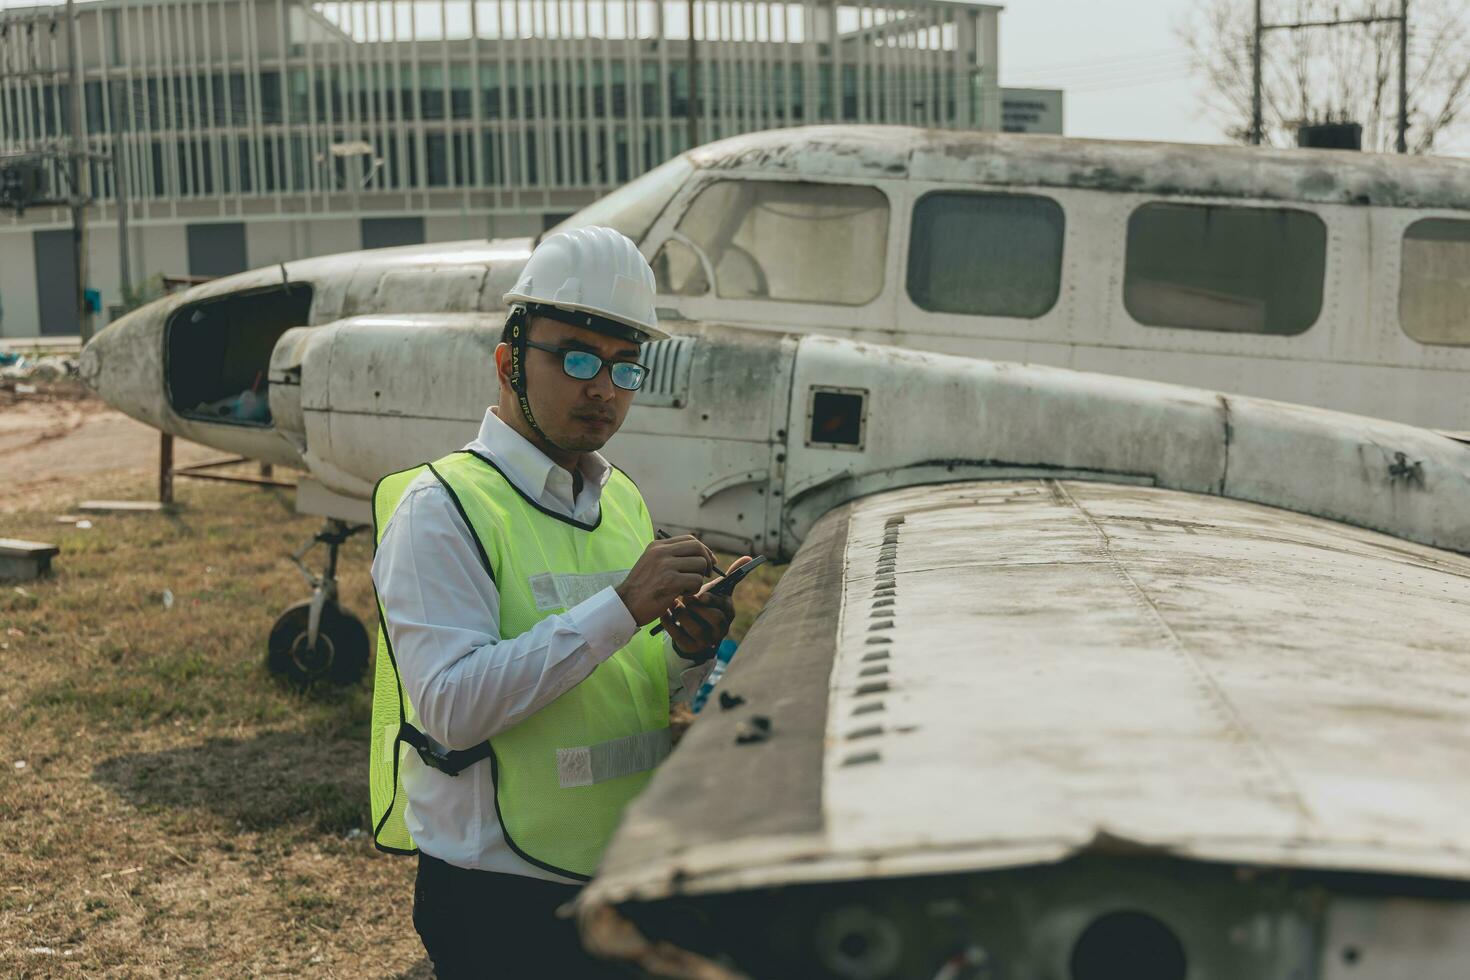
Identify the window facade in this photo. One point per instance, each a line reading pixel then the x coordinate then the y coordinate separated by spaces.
pixel 778 240
pixel 1434 291
pixel 986 254
pixel 1233 269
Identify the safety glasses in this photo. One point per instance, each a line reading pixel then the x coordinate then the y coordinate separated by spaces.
pixel 585 365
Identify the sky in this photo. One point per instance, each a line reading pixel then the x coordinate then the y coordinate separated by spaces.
pixel 1125 73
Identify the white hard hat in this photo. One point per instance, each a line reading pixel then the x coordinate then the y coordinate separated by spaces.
pixel 591 270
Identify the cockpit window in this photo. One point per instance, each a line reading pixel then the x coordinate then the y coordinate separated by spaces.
pixel 1434 290
pixel 779 240
pixel 633 208
pixel 219 352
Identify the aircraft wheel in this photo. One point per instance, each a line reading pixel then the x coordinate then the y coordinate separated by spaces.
pixel 339 657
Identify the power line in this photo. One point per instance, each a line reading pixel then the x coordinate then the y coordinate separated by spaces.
pixel 1086 63
pixel 1109 72
pixel 1120 75
pixel 1262 28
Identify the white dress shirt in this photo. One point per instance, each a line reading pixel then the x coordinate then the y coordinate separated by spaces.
pixel 467 683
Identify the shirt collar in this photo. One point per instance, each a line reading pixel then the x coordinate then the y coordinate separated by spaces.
pixel 532 471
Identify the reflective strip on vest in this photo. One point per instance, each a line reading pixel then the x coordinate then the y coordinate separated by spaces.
pixel 564 591
pixel 588 764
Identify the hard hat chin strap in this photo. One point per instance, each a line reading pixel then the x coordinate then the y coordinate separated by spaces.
pixel 519 323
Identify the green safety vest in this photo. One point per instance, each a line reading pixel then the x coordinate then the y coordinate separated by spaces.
pixel 563 775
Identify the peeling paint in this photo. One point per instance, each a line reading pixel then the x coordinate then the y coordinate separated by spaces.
pixel 1165 169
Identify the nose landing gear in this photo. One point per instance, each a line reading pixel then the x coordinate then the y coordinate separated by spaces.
pixel 316 639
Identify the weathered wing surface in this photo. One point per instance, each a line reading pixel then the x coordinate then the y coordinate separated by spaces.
pixel 989 675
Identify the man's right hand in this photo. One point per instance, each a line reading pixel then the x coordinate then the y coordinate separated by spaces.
pixel 667 569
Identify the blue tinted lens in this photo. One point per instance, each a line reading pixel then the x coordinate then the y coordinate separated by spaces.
pixel 628 375
pixel 581 365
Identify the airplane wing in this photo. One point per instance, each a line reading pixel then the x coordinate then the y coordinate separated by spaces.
pixel 1037 703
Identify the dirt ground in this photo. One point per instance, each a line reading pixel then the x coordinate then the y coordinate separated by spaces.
pixel 167 808
pixel 59 434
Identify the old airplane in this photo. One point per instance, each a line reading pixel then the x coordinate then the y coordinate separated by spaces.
pixel 1071 674
pixel 1075 678
pixel 1309 276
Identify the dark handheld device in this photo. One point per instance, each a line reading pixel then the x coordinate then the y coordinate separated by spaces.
pixel 726 586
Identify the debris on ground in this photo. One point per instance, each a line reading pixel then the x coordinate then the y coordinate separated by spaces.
pixel 52 367
pixel 121 874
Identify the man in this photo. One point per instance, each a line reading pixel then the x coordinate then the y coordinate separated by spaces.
pixel 519 702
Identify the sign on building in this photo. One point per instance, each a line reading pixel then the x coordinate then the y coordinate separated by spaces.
pixel 1031 110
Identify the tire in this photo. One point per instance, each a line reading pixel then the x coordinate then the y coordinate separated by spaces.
pixel 341 652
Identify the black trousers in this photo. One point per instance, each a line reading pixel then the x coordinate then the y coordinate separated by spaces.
pixel 482 924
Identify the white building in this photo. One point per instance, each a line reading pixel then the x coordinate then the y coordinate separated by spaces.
pixel 260 131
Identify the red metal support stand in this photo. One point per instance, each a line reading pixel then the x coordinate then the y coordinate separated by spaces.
pixel 166 468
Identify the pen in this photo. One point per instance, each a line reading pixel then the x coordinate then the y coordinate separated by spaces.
pixel 661 533
pixel 714 569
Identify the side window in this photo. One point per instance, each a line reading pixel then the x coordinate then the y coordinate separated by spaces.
pixel 986 254
pixel 1434 294
pixel 1210 267
pixel 779 240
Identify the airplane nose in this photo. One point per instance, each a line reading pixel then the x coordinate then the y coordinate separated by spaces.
pixel 90 365
pixel 122 364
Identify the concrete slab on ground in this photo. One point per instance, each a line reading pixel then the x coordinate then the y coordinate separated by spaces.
pixel 25 560
pixel 123 507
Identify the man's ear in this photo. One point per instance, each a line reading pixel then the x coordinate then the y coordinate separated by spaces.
pixel 502 363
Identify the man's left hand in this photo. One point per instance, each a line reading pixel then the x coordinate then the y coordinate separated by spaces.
pixel 696 624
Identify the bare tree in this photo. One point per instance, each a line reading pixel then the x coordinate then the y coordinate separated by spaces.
pixel 1345 73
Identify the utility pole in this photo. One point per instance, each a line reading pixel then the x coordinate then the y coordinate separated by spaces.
pixel 120 190
pixel 1403 140
pixel 77 155
pixel 1401 19
pixel 1257 123
pixel 693 111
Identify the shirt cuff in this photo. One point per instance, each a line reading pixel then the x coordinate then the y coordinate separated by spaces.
pixel 692 679
pixel 604 622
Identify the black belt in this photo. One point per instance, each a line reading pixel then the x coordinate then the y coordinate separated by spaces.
pixel 451 762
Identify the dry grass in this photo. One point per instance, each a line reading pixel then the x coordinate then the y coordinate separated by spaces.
pixel 178 812
pixel 751 594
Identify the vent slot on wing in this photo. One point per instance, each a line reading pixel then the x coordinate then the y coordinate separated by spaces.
pixel 668 380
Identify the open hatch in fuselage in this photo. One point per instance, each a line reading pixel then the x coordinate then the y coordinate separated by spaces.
pixel 219 351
